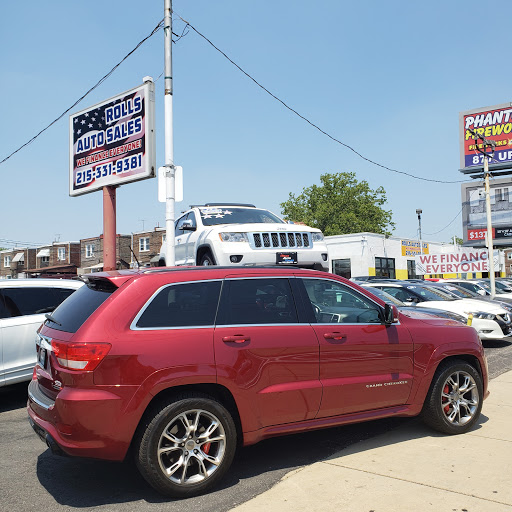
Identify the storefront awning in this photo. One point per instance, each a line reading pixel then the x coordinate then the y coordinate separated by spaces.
pixel 19 257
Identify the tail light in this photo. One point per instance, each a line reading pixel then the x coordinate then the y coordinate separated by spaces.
pixel 80 356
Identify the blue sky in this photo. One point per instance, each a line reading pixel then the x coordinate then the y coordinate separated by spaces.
pixel 387 78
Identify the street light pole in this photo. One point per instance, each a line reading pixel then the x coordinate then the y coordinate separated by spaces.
pixel 168 134
pixel 419 212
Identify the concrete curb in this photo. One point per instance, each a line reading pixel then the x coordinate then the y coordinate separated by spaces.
pixel 411 468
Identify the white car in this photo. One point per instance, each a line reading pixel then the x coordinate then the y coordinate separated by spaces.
pixel 490 320
pixel 23 305
pixel 483 288
pixel 230 234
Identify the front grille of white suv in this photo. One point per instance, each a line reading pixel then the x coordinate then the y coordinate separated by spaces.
pixel 280 240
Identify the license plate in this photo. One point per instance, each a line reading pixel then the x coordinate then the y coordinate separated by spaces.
pixel 286 258
pixel 42 357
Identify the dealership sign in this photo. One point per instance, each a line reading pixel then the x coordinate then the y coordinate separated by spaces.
pixel 412 248
pixel 453 263
pixel 495 124
pixel 113 143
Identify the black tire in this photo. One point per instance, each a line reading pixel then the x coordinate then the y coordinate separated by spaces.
pixel 177 463
pixel 454 401
pixel 206 259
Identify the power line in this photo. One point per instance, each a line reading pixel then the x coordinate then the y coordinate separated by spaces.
pixel 304 118
pixel 153 32
pixel 448 225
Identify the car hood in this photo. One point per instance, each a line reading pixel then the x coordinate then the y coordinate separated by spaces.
pixel 264 227
pixel 428 317
pixel 464 306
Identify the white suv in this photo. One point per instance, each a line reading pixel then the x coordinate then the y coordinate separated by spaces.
pixel 23 305
pixel 241 234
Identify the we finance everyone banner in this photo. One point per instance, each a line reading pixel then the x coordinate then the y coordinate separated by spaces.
pixel 113 142
pixel 475 260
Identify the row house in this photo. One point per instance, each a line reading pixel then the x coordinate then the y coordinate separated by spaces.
pixel 68 259
pixel 146 247
pixel 91 253
pixel 15 262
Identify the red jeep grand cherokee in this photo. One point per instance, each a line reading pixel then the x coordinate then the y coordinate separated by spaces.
pixel 179 366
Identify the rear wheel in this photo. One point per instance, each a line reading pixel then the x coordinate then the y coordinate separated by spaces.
pixel 186 446
pixel 454 401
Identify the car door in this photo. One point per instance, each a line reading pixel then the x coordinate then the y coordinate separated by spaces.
pixel 364 364
pixel 190 239
pixel 26 307
pixel 19 335
pixel 264 355
pixel 180 248
pixel 4 314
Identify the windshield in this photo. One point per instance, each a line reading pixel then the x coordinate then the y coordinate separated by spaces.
pixel 502 287
pixel 211 216
pixel 429 293
pixel 459 291
pixel 386 297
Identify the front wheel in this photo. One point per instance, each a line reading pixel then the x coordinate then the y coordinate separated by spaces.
pixel 206 259
pixel 454 401
pixel 186 446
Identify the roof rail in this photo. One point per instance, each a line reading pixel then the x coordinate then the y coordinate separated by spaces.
pixel 226 204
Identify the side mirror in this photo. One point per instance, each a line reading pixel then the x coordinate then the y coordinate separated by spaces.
pixel 390 314
pixel 186 225
pixel 481 292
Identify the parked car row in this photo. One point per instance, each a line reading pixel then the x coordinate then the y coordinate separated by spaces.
pixel 491 318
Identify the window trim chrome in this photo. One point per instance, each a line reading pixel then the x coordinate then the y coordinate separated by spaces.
pixel 133 325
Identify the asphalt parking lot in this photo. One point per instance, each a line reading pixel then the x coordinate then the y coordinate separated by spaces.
pixel 32 478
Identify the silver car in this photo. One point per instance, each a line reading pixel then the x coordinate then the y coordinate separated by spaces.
pixel 23 305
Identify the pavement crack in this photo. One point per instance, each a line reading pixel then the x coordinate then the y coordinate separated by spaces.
pixel 417 483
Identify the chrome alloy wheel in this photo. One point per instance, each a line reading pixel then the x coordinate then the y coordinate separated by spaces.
pixel 191 447
pixel 459 398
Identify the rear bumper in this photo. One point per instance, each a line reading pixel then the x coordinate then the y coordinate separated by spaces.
pixel 79 424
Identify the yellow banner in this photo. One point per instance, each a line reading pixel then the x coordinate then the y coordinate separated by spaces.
pixel 412 248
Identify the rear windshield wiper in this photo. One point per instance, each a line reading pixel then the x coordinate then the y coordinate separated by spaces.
pixel 50 317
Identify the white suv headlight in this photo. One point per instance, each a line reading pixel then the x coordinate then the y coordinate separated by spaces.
pixel 317 237
pixel 483 315
pixel 233 237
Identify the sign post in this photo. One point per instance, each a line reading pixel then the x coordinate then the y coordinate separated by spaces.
pixel 113 143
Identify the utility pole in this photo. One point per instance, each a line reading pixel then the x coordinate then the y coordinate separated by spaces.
pixel 168 133
pixel 485 145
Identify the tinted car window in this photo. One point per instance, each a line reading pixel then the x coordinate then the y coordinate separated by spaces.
pixel 4 312
pixel 72 313
pixel 257 301
pixel 335 303
pixel 36 300
pixel 182 305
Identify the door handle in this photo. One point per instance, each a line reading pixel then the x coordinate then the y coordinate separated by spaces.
pixel 338 336
pixel 237 338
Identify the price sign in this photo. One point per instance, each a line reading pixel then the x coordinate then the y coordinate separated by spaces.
pixel 478 234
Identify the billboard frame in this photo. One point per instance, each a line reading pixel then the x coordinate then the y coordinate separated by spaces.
pixel 127 151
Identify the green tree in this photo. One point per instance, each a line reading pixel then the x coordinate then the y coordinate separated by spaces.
pixel 340 205
pixel 459 241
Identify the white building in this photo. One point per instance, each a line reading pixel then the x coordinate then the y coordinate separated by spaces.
pixel 371 254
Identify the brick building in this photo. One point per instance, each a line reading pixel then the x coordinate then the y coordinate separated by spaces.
pixel 15 262
pixel 146 247
pixel 91 253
